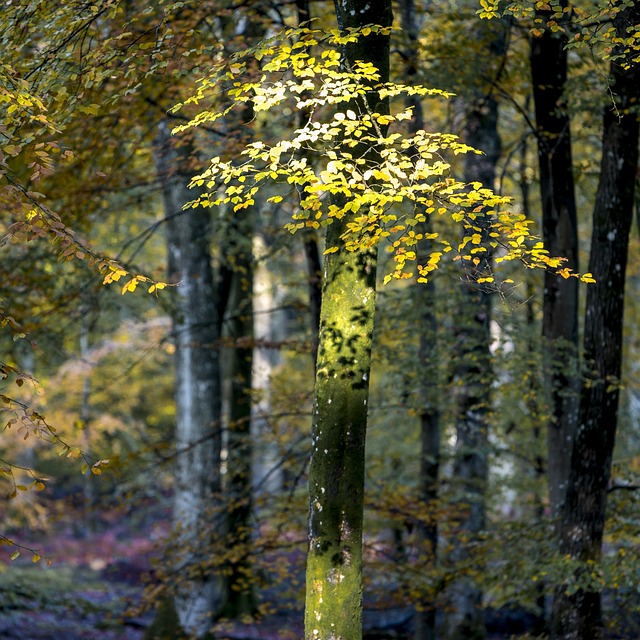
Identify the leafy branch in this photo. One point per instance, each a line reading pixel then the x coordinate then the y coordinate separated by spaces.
pixel 331 155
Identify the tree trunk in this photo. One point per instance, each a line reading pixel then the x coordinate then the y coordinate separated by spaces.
pixel 238 262
pixel 268 321
pixel 472 376
pixel 533 392
pixel 333 607
pixel 198 434
pixel 578 616
pixel 560 301
pixel 428 411
pixel 310 237
pixel 428 484
pixel 314 273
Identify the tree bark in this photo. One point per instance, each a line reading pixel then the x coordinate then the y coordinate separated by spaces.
pixel 314 274
pixel 310 238
pixel 198 434
pixel 237 269
pixel 268 323
pixel 472 375
pixel 533 393
pixel 428 410
pixel 578 616
pixel 548 60
pixel 333 607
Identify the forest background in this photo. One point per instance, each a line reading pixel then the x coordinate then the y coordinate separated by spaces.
pixel 158 371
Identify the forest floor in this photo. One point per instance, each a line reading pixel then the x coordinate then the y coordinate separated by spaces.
pixel 94 588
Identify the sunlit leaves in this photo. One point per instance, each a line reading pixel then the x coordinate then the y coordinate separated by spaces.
pixel 350 161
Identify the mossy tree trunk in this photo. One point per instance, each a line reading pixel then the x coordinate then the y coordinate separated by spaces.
pixel 333 606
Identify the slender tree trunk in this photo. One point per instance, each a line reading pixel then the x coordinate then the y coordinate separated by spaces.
pixel 560 307
pixel 424 294
pixel 314 273
pixel 533 390
pixel 578 616
pixel 333 607
pixel 238 261
pixel 428 484
pixel 267 330
pixel 85 417
pixel 473 374
pixel 237 274
pixel 198 434
pixel 310 237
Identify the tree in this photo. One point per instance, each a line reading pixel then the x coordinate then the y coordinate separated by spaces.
pixel 238 270
pixel 198 394
pixel 472 372
pixel 333 607
pixel 577 607
pixel 427 387
pixel 548 59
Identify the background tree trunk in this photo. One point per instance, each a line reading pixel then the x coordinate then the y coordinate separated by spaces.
pixel 472 375
pixel 198 434
pixel 578 616
pixel 548 60
pixel 428 411
pixel 268 331
pixel 237 268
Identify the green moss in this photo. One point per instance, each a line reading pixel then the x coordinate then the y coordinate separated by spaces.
pixel 334 597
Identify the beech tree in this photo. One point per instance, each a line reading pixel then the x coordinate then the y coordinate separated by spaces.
pixel 473 369
pixel 198 394
pixel 548 59
pixel 577 608
pixel 333 607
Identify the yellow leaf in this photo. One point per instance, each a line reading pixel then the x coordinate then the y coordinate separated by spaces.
pixel 130 286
